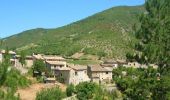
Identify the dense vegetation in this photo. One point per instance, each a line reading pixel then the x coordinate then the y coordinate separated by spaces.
pixel 50 94
pixel 70 90
pixel 154 34
pixel 153 47
pixel 39 66
pixel 89 90
pixel 22 58
pixel 107 33
pixel 139 84
pixel 10 80
pixel 15 80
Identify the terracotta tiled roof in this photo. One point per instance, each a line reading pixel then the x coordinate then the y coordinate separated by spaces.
pixel 64 69
pixel 98 68
pixel 52 57
pixel 38 56
pixel 121 62
pixel 10 52
pixel 110 62
pixel 56 62
pixel 77 67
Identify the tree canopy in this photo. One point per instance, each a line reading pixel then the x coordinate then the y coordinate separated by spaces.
pixel 22 58
pixel 154 34
pixel 39 66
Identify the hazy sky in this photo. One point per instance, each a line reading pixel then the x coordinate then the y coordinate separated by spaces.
pixel 20 15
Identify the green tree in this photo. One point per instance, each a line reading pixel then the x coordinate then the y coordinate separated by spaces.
pixel 39 66
pixel 85 90
pixel 4 66
pixel 70 90
pixel 22 58
pixel 154 34
pixel 14 80
pixel 154 42
pixel 138 84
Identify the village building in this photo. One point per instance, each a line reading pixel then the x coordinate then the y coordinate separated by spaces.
pixel 78 74
pixel 11 54
pixel 99 74
pixel 154 66
pixel 28 61
pixel 134 64
pixel 53 58
pixel 122 63
pixel 59 70
pixel 47 57
pixel 109 64
pixel 37 57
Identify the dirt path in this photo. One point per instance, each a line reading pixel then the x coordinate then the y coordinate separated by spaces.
pixel 30 92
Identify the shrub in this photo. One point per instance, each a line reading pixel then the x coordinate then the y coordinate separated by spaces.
pixel 70 90
pixel 85 90
pixel 39 66
pixel 101 54
pixel 15 79
pixel 50 94
pixel 91 51
pixel 9 95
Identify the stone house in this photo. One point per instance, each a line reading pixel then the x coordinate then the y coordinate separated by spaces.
pixel 122 63
pixel 59 70
pixel 28 59
pixel 37 57
pixel 11 53
pixel 78 74
pixel 134 64
pixel 53 58
pixel 110 64
pixel 99 74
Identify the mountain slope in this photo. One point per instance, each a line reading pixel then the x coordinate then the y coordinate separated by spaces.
pixel 105 33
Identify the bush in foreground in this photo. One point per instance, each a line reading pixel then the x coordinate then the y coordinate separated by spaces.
pixel 85 90
pixel 70 90
pixel 15 80
pixel 50 94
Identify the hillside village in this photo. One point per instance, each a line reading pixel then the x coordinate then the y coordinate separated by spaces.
pixel 121 53
pixel 68 73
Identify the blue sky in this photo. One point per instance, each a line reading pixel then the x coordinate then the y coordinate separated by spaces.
pixel 20 15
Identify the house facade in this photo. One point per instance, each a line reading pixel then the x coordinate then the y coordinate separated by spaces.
pixel 28 60
pixel 11 54
pixel 78 74
pixel 99 74
pixel 60 70
pixel 110 64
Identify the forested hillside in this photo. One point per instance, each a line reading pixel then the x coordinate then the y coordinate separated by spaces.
pixel 107 33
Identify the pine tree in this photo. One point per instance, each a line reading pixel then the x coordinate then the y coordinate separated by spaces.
pixel 154 34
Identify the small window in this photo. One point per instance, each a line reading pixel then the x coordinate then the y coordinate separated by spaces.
pixel 61 74
pixel 107 72
pixel 61 66
pixel 75 73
